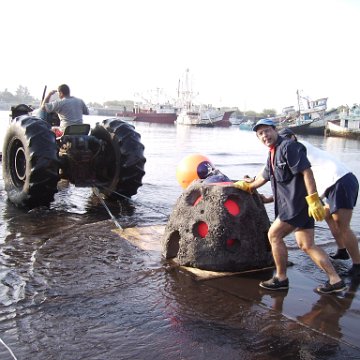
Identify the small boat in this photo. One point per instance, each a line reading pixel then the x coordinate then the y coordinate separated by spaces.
pixel 247 124
pixel 235 121
pixel 307 128
pixel 348 124
pixel 210 117
pixel 309 120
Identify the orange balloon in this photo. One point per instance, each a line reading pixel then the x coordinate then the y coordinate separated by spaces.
pixel 193 167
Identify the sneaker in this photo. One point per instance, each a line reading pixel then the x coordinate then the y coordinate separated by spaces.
pixel 341 254
pixel 275 284
pixel 354 271
pixel 328 288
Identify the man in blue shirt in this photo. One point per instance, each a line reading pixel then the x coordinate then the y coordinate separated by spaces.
pixel 297 204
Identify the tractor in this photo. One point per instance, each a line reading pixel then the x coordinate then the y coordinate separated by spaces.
pixel 109 156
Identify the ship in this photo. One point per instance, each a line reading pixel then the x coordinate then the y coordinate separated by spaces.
pixel 160 113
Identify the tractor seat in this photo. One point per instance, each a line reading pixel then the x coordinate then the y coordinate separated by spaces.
pixel 78 129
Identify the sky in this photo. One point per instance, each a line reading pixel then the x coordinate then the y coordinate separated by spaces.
pixel 249 54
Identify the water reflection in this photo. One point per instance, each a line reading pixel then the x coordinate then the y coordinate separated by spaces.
pixel 219 312
pixel 328 311
pixel 277 297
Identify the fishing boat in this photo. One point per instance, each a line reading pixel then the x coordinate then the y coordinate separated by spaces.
pixel 198 114
pixel 210 117
pixel 348 124
pixel 125 115
pixel 315 127
pixel 159 113
pixel 309 119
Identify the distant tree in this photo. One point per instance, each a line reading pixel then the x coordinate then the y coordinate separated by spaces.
pixel 95 105
pixel 7 96
pixel 250 113
pixel 268 113
pixel 117 103
pixel 238 113
pixel 112 103
pixel 23 95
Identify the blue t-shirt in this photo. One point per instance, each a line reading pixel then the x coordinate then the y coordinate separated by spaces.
pixel 287 181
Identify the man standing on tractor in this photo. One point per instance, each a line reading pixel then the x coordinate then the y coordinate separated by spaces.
pixel 69 108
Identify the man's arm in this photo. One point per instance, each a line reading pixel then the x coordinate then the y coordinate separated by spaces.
pixel 258 182
pixel 316 208
pixel 47 99
pixel 250 186
pixel 309 180
pixel 85 109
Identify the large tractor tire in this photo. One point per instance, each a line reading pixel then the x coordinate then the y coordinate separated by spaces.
pixel 121 169
pixel 30 162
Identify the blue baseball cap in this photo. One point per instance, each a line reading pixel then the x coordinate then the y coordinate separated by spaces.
pixel 267 122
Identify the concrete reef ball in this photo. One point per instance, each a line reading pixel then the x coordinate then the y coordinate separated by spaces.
pixel 219 228
pixel 193 167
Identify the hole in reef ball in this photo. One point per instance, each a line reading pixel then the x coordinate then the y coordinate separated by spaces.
pixel 230 242
pixel 232 207
pixel 197 200
pixel 202 229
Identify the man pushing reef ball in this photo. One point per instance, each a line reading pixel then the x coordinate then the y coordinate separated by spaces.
pixel 296 203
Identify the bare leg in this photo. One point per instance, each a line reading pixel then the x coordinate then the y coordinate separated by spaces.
pixel 339 225
pixel 305 241
pixel 278 230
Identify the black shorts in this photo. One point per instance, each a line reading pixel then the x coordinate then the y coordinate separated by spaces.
pixel 343 194
pixel 302 220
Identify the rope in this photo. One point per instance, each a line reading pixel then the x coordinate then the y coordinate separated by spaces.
pixel 134 201
pixel 8 349
pixel 96 192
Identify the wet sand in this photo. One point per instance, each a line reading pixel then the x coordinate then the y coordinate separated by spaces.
pixel 112 296
pixel 336 316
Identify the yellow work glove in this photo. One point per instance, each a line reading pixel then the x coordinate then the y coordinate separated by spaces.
pixel 316 208
pixel 243 185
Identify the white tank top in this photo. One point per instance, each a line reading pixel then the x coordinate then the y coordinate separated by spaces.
pixel 327 169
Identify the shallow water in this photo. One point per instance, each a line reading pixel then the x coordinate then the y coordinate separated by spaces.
pixel 72 289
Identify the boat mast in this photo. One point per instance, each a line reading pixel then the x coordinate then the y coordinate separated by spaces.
pixel 187 91
pixel 298 99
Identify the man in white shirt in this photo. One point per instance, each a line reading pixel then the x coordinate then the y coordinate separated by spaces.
pixel 69 108
pixel 339 187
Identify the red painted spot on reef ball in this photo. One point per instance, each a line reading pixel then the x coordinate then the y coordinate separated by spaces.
pixel 197 200
pixel 232 207
pixel 230 242
pixel 203 229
